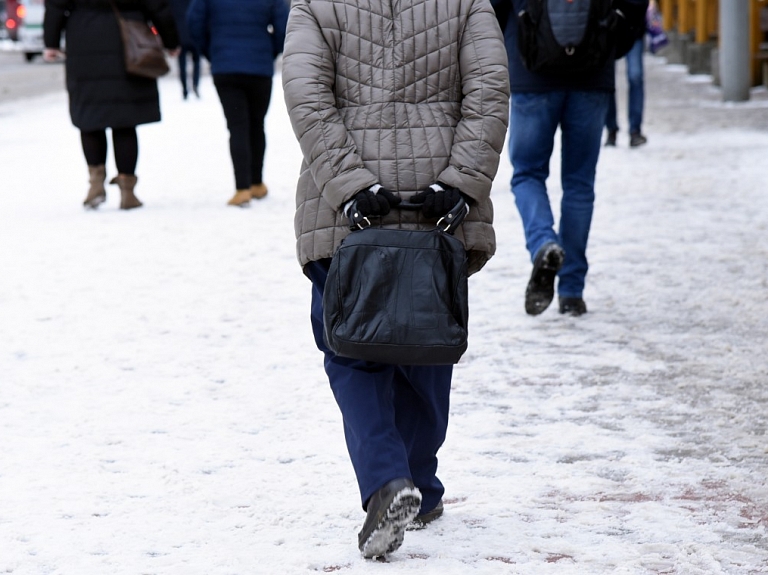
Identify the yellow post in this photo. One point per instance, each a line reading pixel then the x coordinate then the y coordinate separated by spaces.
pixel 668 13
pixel 692 9
pixel 702 30
pixel 713 12
pixel 683 17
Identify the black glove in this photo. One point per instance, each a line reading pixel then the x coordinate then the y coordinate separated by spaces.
pixel 437 200
pixel 373 201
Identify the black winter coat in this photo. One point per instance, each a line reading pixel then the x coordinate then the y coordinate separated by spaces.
pixel 101 93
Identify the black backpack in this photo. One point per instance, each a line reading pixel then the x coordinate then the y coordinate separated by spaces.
pixel 568 37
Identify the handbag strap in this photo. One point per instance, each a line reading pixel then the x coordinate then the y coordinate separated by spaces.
pixel 117 12
pixel 447 223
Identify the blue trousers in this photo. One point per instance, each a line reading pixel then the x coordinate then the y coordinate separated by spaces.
pixel 395 416
pixel 534 120
pixel 636 92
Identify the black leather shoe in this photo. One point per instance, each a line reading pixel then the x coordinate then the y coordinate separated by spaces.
pixel 574 306
pixel 610 140
pixel 637 139
pixel 389 510
pixel 421 520
pixel 541 287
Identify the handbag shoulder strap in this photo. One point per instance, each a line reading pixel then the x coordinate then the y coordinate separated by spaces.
pixel 117 12
pixel 452 220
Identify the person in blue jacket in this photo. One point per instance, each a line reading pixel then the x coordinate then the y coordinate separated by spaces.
pixel 241 41
pixel 540 104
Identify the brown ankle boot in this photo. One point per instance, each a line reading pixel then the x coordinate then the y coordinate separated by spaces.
pixel 258 191
pixel 242 199
pixel 96 193
pixel 126 183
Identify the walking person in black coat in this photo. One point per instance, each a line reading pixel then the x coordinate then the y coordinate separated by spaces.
pixel 188 48
pixel 101 93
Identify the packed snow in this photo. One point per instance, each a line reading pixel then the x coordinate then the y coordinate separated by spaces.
pixel 163 408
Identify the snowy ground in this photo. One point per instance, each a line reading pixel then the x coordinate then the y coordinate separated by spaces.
pixel 163 409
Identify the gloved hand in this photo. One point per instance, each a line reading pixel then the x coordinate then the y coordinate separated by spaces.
pixel 373 201
pixel 437 200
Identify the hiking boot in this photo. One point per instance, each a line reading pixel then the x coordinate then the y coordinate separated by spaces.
pixel 126 183
pixel 574 306
pixel 610 140
pixel 97 195
pixel 241 199
pixel 541 287
pixel 421 520
pixel 258 191
pixel 389 510
pixel 636 140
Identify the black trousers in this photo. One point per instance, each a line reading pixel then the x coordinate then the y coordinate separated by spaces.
pixel 245 100
pixel 195 57
pixel 125 144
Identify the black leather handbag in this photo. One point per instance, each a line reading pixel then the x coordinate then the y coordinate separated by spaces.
pixel 399 296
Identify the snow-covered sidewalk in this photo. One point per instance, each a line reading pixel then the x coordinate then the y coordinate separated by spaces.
pixel 163 409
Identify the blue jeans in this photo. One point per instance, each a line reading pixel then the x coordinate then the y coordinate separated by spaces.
pixel 534 119
pixel 636 92
pixel 395 416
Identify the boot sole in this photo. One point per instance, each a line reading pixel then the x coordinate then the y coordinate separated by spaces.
pixel 243 202
pixel 388 535
pixel 422 521
pixel 94 203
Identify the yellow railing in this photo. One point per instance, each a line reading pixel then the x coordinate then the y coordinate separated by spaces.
pixel 691 16
pixel 700 19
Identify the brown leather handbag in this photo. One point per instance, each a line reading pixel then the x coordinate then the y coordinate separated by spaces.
pixel 143 49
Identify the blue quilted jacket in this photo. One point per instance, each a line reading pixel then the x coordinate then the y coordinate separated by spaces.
pixel 239 37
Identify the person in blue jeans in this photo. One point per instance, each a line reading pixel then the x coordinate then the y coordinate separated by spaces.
pixel 534 119
pixel 635 99
pixel 576 104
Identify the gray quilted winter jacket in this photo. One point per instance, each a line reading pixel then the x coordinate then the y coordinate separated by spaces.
pixel 398 92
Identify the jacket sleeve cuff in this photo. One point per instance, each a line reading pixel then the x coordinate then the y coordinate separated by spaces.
pixel 339 190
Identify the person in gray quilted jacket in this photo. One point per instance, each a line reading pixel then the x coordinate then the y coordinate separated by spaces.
pixel 393 100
